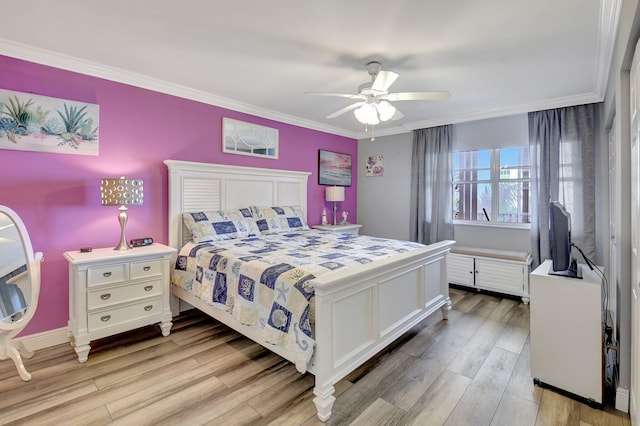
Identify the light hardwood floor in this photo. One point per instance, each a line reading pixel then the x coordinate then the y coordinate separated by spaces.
pixel 470 370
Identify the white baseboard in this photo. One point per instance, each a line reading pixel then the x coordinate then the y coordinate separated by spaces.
pixel 46 339
pixel 622 400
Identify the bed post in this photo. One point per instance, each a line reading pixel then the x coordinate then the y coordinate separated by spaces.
pixel 324 389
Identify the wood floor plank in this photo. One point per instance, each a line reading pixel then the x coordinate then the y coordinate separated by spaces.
pixel 267 403
pixel 175 402
pixel 157 390
pixel 436 405
pixel 302 409
pixel 364 392
pixel 514 410
pixel 556 409
pixel 216 405
pixel 515 335
pixel 496 370
pixel 239 416
pixel 521 383
pixel 467 302
pixel 28 407
pixel 408 385
pixel 471 357
pixel 504 311
pixel 379 413
pixel 597 417
pixel 141 386
pixel 248 369
pixel 469 324
pixel 94 417
pixel 476 407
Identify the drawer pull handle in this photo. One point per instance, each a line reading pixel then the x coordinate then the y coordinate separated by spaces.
pixel 148 287
pixel 105 318
pixel 147 268
pixel 105 296
pixel 106 274
pixel 148 308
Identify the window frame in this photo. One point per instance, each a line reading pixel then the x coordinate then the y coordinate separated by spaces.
pixel 494 181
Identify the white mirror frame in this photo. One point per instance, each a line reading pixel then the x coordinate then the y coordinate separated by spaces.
pixel 8 347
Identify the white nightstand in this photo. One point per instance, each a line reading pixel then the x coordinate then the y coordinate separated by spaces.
pixel 114 291
pixel 352 228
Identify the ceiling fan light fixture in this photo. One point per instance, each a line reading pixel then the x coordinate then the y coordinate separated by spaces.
pixel 385 110
pixel 367 114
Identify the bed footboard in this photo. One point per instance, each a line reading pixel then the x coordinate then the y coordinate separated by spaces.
pixel 361 311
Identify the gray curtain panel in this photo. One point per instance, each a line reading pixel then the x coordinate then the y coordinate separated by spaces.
pixel 562 147
pixel 431 217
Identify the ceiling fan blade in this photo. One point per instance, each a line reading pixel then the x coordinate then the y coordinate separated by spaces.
pixel 345 109
pixel 418 96
pixel 340 95
pixel 397 116
pixel 384 80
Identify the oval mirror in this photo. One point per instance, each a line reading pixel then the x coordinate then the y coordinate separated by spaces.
pixel 19 286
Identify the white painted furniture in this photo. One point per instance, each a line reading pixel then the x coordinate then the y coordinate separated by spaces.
pixel 352 228
pixel 19 287
pixel 566 332
pixel 359 311
pixel 112 291
pixel 501 271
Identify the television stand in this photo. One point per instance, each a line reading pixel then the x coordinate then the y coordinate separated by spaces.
pixel 572 272
pixel 566 332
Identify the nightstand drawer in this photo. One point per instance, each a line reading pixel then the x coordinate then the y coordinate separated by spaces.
pixel 107 274
pixel 122 314
pixel 148 268
pixel 103 297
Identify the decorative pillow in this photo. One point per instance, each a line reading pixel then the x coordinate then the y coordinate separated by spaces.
pixel 219 225
pixel 271 220
pixel 246 215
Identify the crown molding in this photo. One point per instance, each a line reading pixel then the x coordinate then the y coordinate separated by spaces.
pixel 70 63
pixel 607 29
pixel 586 98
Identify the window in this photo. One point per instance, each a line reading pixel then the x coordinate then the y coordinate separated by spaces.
pixel 491 185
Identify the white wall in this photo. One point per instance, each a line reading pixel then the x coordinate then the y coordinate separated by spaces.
pixel 384 202
pixel 616 107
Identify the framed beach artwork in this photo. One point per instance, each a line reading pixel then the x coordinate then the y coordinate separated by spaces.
pixel 334 168
pixel 374 166
pixel 31 122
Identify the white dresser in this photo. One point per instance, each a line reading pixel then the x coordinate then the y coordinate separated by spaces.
pixel 114 291
pixel 566 332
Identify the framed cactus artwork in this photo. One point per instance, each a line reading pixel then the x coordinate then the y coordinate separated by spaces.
pixel 31 122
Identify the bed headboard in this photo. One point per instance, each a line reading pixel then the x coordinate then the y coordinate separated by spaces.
pixel 205 187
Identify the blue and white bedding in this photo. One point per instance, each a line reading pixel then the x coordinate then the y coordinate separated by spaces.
pixel 263 281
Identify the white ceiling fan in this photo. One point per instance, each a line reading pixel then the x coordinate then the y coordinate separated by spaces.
pixel 374 100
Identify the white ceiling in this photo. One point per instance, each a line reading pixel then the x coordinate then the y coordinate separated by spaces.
pixel 496 57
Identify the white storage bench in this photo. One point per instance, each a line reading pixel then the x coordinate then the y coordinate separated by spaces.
pixel 502 271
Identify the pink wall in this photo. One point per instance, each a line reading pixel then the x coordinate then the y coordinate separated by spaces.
pixel 58 195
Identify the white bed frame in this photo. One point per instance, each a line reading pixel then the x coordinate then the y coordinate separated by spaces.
pixel 358 311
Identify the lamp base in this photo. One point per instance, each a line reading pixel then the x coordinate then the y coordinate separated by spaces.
pixel 335 213
pixel 122 218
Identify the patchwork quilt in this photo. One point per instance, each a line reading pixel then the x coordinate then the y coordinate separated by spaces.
pixel 265 281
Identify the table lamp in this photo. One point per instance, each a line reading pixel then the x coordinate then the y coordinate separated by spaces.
pixel 122 192
pixel 335 194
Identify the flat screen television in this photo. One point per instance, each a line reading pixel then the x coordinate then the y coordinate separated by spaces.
pixel 562 263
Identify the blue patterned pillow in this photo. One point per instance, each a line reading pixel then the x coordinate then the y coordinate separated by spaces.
pixel 219 225
pixel 271 220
